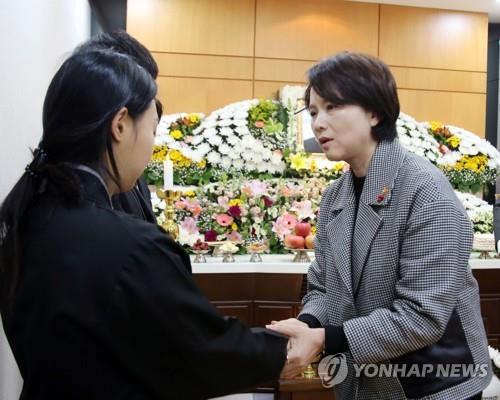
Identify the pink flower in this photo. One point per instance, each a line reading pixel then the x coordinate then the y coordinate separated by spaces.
pixel 255 188
pixel 287 220
pixel 189 225
pixel 223 202
pixel 303 209
pixel 234 236
pixel 255 211
pixel 188 139
pixel 210 236
pixel 284 225
pixel 280 230
pixel 181 204
pixel 193 205
pixel 259 124
pixel 224 219
pixel 346 168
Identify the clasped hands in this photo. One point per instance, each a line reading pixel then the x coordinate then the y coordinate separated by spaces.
pixel 304 344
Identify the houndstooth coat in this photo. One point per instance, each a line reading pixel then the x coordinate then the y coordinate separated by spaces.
pixel 400 285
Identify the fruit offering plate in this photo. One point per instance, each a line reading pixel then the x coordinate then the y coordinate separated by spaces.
pixel 301 254
pixel 216 245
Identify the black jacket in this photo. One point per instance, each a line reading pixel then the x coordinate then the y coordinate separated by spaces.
pixel 106 308
pixel 136 202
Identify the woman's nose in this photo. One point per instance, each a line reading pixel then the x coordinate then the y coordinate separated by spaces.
pixel 318 124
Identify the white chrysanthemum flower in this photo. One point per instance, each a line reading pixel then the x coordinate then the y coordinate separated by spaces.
pixel 215 140
pixel 209 132
pixel 233 140
pixel 246 155
pixel 225 162
pixel 226 115
pixel 226 131
pixel 242 130
pixel 175 145
pixel 208 123
pixel 203 148
pixel 225 122
pixel 197 140
pixel 224 149
pixel 238 164
pixel 267 154
pixel 414 133
pixel 468 148
pixel 196 156
pixel 257 158
pixel 249 166
pixel 247 141
pixel 240 122
pixel 261 167
pixel 213 157
pixel 276 158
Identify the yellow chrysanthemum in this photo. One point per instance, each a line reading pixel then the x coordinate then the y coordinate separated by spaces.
pixel 313 166
pixel 234 227
pixel 298 161
pixel 190 193
pixel 176 134
pixel 193 118
pixel 175 155
pixel 435 125
pixel 202 164
pixel 453 141
pixel 235 202
pixel 313 230
pixel 339 166
pixel 159 153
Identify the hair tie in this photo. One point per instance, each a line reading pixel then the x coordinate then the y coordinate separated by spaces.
pixel 39 158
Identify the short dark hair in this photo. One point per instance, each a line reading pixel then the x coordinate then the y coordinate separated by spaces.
pixel 358 79
pixel 122 42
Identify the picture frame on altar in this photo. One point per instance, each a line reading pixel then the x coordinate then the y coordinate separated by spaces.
pixel 306 141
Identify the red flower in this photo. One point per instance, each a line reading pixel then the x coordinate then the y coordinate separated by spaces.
pixel 210 236
pixel 234 211
pixel 267 202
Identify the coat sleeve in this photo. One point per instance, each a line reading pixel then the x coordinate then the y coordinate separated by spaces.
pixel 173 341
pixel 433 264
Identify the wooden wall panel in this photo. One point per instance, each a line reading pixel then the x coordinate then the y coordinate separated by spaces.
pixel 267 69
pixel 191 65
pixel 313 29
pixel 442 39
pixel 214 52
pixel 224 27
pixel 200 95
pixel 466 110
pixel 434 79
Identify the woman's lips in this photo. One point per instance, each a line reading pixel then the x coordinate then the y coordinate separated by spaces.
pixel 324 142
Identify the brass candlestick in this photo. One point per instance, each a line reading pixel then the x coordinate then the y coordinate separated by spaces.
pixel 170 196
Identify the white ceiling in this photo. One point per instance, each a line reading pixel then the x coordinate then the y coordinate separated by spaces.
pixel 492 7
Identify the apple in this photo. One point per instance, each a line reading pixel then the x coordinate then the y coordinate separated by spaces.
pixel 310 241
pixel 302 229
pixel 294 242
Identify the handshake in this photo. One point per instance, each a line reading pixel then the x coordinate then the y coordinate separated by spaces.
pixel 304 344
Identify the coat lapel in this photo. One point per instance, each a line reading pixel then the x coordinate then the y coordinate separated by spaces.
pixel 339 230
pixel 376 194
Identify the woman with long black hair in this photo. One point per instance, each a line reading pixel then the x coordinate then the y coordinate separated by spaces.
pixel 97 304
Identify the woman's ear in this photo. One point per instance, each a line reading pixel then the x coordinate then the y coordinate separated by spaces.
pixel 374 119
pixel 118 124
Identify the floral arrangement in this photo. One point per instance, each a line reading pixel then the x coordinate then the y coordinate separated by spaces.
pixel 468 161
pixel 415 137
pixel 479 212
pixel 246 211
pixel 173 139
pixel 495 358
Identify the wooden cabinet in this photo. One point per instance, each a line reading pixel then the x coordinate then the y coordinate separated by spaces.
pixel 489 291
